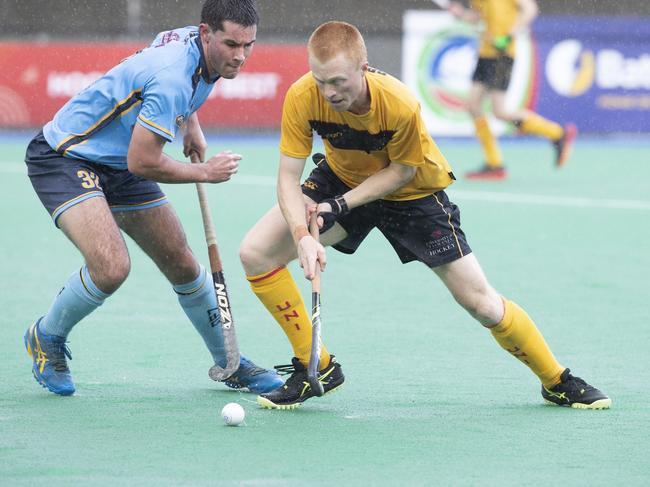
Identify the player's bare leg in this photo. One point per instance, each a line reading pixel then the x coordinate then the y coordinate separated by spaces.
pixel 516 332
pixel 493 168
pixel 90 226
pixel 159 233
pixel 467 283
pixel 268 245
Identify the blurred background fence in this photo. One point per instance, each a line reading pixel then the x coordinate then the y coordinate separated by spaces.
pixel 51 49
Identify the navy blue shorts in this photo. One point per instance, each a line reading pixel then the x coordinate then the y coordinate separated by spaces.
pixel 426 229
pixel 494 73
pixel 62 182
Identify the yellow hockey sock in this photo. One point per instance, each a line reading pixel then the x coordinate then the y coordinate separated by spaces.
pixel 280 295
pixel 490 147
pixel 537 125
pixel 519 336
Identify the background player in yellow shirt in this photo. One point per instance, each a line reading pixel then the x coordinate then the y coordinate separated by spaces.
pixel 381 169
pixel 503 19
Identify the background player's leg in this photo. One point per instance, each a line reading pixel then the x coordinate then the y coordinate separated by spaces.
pixel 491 152
pixel 534 124
pixel 510 325
pixel 159 232
pixel 526 121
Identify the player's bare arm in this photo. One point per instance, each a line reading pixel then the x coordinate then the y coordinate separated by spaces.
pixel 146 159
pixel 380 184
pixel 528 11
pixel 459 11
pixel 292 205
pixel 193 139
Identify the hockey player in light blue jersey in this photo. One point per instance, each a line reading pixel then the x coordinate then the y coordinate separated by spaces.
pixel 96 165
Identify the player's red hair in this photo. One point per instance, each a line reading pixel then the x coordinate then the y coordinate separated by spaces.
pixel 333 38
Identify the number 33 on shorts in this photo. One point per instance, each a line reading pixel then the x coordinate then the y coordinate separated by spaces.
pixel 89 179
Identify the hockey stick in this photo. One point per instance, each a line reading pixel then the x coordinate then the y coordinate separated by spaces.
pixel 314 357
pixel 223 302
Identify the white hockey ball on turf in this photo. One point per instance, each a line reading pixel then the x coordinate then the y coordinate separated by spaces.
pixel 233 414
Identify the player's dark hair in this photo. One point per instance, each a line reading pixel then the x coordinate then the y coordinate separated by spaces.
pixel 242 12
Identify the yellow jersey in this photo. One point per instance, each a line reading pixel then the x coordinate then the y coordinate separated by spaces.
pixel 358 146
pixel 499 17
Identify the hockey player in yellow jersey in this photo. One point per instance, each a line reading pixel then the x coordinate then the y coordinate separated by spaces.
pixel 381 169
pixel 502 20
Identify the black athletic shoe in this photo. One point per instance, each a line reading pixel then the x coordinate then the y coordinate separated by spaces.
pixel 576 393
pixel 296 389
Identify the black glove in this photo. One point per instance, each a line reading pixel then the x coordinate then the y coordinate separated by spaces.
pixel 339 208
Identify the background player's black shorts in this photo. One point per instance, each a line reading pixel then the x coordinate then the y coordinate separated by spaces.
pixel 494 73
pixel 426 229
pixel 62 182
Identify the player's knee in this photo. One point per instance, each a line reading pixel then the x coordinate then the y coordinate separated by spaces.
pixel 473 110
pixel 501 114
pixel 110 274
pixel 257 259
pixel 483 305
pixel 179 265
pixel 249 254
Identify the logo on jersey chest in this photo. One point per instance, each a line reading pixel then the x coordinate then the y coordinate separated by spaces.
pixel 343 136
pixel 180 120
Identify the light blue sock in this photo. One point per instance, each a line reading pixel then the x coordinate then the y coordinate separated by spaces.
pixel 77 299
pixel 200 305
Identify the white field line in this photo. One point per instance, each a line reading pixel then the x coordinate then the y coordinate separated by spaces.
pixel 544 200
pixel 454 194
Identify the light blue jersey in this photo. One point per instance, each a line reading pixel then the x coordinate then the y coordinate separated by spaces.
pixel 158 87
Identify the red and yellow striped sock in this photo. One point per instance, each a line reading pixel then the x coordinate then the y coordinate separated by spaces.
pixel 535 124
pixel 518 335
pixel 280 295
pixel 489 144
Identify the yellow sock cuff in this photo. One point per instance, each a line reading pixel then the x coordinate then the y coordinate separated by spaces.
pixel 268 278
pixel 519 336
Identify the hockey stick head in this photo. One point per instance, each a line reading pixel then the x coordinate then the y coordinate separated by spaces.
pixel 232 357
pixel 227 324
pixel 314 357
pixel 232 362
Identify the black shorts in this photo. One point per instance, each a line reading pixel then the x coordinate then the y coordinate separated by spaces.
pixel 494 73
pixel 62 182
pixel 426 229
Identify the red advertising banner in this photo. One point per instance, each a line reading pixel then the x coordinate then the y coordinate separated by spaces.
pixel 37 79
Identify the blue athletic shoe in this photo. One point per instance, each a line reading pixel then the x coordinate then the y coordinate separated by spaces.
pixel 256 379
pixel 49 354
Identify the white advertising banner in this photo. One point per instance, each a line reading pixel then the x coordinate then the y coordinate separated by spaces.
pixel 439 54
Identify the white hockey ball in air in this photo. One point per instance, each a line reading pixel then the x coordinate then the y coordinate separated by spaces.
pixel 233 414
